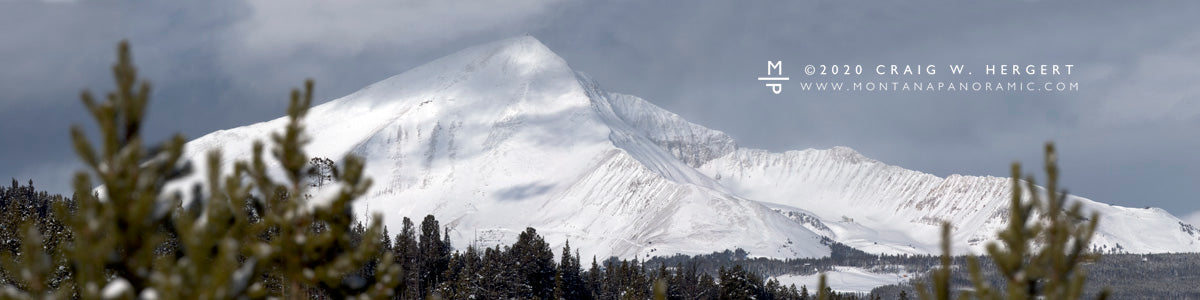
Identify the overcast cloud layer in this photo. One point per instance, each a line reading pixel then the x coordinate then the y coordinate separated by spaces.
pixel 1129 137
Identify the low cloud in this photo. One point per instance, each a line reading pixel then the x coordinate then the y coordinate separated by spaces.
pixel 347 44
pixel 283 27
pixel 1159 85
pixel 1192 218
pixel 54 177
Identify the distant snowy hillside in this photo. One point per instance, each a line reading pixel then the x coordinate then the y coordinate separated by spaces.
pixel 881 208
pixel 503 136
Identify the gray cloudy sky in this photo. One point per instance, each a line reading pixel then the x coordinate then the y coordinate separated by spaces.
pixel 1130 135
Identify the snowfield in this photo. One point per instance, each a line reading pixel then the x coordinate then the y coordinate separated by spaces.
pixel 503 136
pixel 845 279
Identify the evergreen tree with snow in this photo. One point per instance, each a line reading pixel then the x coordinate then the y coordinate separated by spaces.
pixel 737 283
pixel 595 280
pixel 568 282
pixel 405 254
pixel 499 279
pixel 434 256
pixel 27 214
pixel 534 264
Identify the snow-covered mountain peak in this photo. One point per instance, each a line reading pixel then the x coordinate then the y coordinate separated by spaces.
pixel 505 135
pixel 509 66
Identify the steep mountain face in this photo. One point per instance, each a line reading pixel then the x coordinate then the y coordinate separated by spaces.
pixel 503 136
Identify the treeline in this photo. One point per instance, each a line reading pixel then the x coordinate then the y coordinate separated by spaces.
pixel 1127 276
pixel 840 255
pixel 22 209
pixel 26 205
pixel 527 269
pixel 432 267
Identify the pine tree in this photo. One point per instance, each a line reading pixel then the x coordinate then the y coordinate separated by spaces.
pixel 222 249
pixel 634 281
pixel 771 289
pixel 824 292
pixel 386 245
pixel 447 287
pixel 406 253
pixel 498 278
pixel 737 283
pixel 676 282
pixel 323 171
pixel 1040 252
pixel 612 279
pixel 535 264
pixel 434 255
pixel 568 282
pixel 559 284
pixel 706 286
pixel 465 285
pixel 595 280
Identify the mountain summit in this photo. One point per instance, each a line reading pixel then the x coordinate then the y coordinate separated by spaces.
pixel 503 136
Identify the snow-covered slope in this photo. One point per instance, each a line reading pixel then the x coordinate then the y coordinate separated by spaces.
pixel 503 136
pixel 846 279
pixel 881 208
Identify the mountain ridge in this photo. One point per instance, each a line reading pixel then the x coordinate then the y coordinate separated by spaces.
pixel 505 135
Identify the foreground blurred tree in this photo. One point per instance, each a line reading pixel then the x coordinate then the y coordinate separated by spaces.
pixel 1041 252
pixel 229 239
